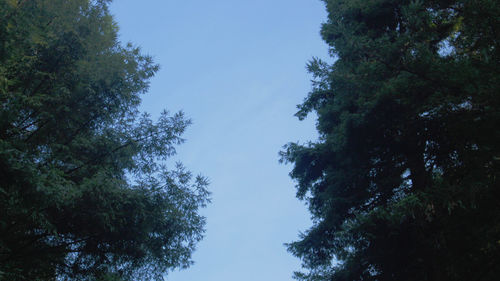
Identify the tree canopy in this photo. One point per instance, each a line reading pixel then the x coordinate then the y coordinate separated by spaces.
pixel 403 182
pixel 85 192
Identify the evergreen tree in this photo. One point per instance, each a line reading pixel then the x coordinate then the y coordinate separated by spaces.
pixel 403 182
pixel 84 193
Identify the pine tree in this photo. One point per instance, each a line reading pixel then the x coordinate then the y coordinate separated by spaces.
pixel 403 183
pixel 84 191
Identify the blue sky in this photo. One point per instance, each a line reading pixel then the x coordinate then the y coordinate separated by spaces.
pixel 237 69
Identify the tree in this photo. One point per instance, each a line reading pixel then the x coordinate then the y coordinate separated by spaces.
pixel 85 193
pixel 403 182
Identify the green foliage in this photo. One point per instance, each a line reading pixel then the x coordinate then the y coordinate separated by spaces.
pixel 403 183
pixel 83 191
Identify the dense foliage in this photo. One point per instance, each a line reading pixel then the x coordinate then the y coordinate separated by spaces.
pixel 83 191
pixel 403 183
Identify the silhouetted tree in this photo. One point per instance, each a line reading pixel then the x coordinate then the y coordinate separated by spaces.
pixel 403 183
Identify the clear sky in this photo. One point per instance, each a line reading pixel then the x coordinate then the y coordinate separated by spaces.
pixel 237 69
